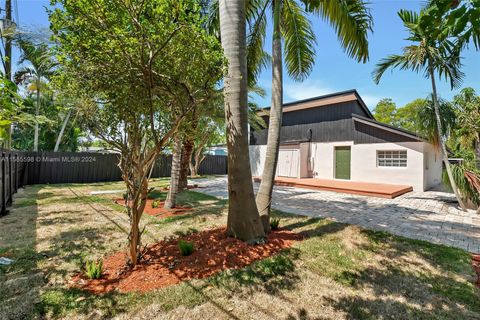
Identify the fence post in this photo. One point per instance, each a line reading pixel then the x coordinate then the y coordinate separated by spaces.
pixel 10 180
pixel 3 209
pixel 16 172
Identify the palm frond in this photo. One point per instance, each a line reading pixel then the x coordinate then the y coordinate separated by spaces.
pixel 256 89
pixel 300 40
pixel 254 118
pixel 351 20
pixel 446 60
pixel 212 18
pixel 390 62
pixel 257 58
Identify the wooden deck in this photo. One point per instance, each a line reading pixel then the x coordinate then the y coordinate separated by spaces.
pixel 380 190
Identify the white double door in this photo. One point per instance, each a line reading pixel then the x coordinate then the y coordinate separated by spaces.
pixel 288 163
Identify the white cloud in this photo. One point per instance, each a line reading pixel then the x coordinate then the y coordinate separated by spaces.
pixel 305 90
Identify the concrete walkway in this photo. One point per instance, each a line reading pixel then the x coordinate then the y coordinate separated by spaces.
pixel 430 216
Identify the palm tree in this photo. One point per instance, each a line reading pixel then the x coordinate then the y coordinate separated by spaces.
pixel 432 52
pixel 243 219
pixel 350 19
pixel 36 75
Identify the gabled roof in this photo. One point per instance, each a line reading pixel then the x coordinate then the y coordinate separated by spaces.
pixel 328 99
pixel 387 127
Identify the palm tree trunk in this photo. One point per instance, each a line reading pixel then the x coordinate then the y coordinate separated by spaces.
pixel 477 149
pixel 170 202
pixel 60 134
pixel 264 195
pixel 37 112
pixel 243 219
pixel 443 149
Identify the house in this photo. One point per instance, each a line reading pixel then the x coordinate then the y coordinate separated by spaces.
pixel 218 150
pixel 335 137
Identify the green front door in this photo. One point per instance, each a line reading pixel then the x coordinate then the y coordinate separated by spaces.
pixel 342 162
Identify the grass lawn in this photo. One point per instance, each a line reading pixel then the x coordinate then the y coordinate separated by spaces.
pixel 338 272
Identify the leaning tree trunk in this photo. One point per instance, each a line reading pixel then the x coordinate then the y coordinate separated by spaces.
pixel 137 189
pixel 170 202
pixel 443 149
pixel 264 195
pixel 199 157
pixel 185 163
pixel 193 171
pixel 243 219
pixel 62 130
pixel 477 150
pixel 37 112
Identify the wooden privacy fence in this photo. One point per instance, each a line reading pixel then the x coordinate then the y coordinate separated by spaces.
pixel 22 168
pixel 87 167
pixel 12 177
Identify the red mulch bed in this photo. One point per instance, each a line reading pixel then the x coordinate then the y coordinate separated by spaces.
pixel 159 211
pixel 476 267
pixel 164 265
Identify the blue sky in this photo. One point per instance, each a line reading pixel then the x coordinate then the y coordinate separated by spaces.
pixel 333 70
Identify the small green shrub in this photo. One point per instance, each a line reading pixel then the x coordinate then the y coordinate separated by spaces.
pixel 274 223
pixel 155 204
pixel 186 248
pixel 94 269
pixel 155 194
pixel 125 195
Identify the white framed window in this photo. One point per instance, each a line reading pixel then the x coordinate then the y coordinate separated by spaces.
pixel 391 158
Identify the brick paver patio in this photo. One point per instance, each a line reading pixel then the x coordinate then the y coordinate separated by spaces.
pixel 430 216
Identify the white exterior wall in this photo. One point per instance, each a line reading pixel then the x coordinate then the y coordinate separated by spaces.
pixel 364 163
pixel 433 166
pixel 257 159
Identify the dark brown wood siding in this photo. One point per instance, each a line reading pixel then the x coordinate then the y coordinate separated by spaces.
pixel 365 133
pixel 332 131
pixel 327 123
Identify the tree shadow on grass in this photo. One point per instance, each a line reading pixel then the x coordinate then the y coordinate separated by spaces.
pixel 21 281
pixel 301 314
pixel 432 281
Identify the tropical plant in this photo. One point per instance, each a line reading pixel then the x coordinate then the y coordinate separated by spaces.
pixel 40 67
pixel 467 190
pixel 431 52
pixel 426 121
pixel 467 109
pixel 352 22
pixel 274 223
pixel 94 269
pixel 51 122
pixel 186 248
pixel 243 220
pixel 459 19
pixel 12 110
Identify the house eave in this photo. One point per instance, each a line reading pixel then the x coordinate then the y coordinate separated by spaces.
pixel 325 100
pixel 386 127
